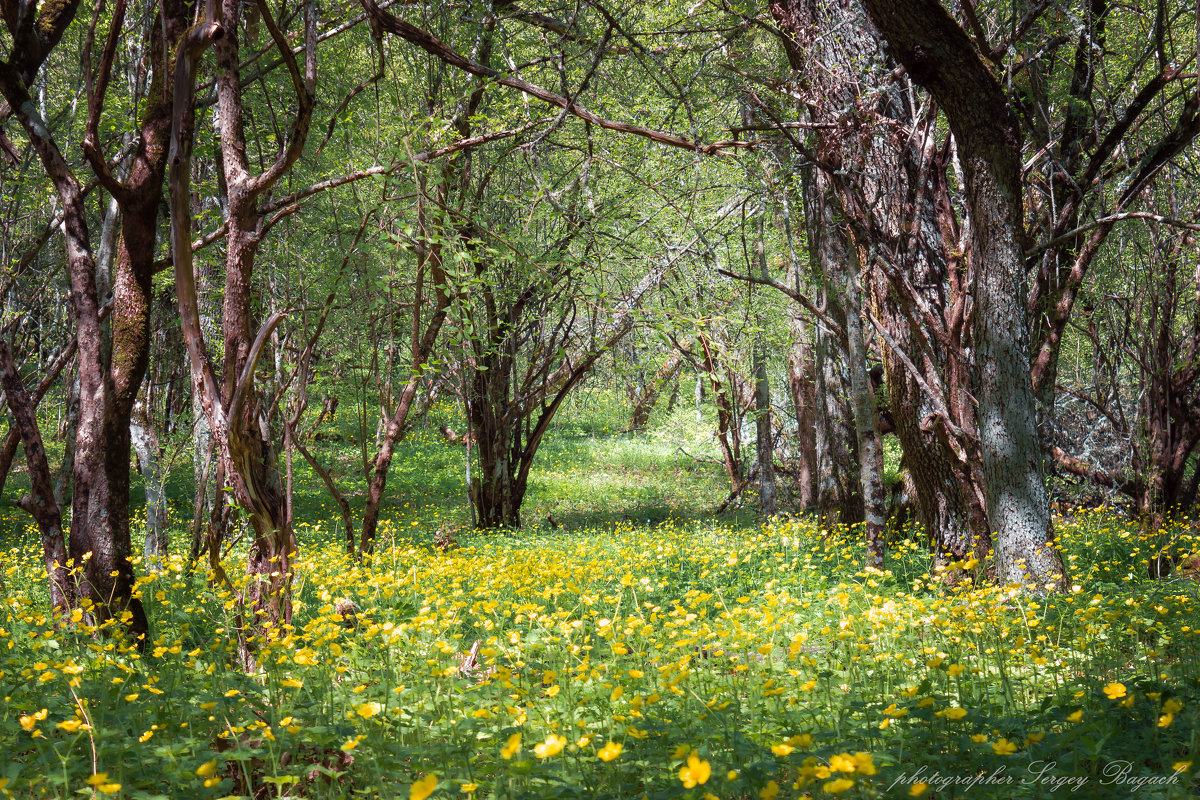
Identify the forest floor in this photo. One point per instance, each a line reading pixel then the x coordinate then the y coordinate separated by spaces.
pixel 629 644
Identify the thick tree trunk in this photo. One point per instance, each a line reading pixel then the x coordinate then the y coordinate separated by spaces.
pixel 839 485
pixel 235 409
pixel 876 200
pixel 940 56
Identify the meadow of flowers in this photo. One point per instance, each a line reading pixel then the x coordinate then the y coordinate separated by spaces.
pixel 683 659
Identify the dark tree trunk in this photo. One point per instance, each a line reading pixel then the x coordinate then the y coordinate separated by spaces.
pixel 939 56
pixel 893 225
pixel 41 504
pixel 839 487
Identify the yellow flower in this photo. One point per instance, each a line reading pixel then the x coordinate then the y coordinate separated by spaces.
pixel 30 721
pixel 1181 766
pixel 1114 691
pixel 468 788
pixel 782 749
pixel 919 788
pixel 291 683
pixel 731 775
pixel 978 737
pixel 694 772
pixel 952 713
pixel 610 751
pixel 769 791
pixel 511 747
pixel 1172 706
pixel 1035 737
pixel 843 762
pixel 1004 747
pixel 1165 720
pixel 551 747
pixel 70 725
pixel 368 710
pixel 956 669
pixel 893 711
pixel 838 786
pixel 207 769
pixel 423 788
pixel 865 763
pixel 1075 716
pixel 97 779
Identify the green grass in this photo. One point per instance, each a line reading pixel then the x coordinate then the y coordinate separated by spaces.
pixel 642 649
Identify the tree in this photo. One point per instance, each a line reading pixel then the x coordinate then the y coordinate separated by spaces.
pixel 902 235
pixel 112 362
pixel 235 410
pixel 940 57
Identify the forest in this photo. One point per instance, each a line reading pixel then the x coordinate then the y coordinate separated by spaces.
pixel 588 398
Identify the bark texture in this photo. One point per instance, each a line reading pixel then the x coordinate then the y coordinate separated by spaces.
pixel 922 36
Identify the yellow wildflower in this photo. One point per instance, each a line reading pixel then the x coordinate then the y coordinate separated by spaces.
pixel 610 751
pixel 694 772
pixel 1004 747
pixel 551 747
pixel 423 788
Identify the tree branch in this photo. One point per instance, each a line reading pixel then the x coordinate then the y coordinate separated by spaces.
pixel 435 47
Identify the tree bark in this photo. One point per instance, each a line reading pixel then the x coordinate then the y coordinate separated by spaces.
pixel 146 447
pixel 939 56
pixel 646 400
pixel 42 505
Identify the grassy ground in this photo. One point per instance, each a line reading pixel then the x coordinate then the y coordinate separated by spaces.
pixel 644 650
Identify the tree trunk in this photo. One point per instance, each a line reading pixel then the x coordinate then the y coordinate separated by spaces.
pixel 146 447
pixel 839 485
pixel 645 401
pixel 802 387
pixel 939 56
pixel 875 200
pixel 41 504
pixel 768 502
pixel 726 425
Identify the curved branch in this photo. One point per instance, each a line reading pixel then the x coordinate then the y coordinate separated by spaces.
pixel 435 47
pixel 246 378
